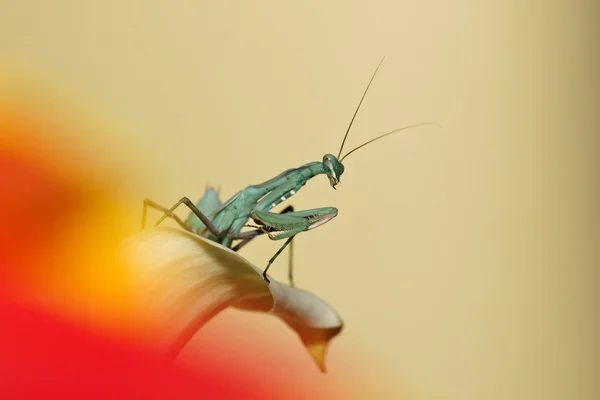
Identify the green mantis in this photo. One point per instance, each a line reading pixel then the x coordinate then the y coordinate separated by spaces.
pixel 223 222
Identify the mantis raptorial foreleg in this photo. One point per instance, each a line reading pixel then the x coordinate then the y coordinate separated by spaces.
pixel 281 226
pixel 259 232
pixel 288 225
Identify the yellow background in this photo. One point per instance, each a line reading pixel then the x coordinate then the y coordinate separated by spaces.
pixel 463 259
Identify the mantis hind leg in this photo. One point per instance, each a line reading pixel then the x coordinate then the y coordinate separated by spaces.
pixel 208 203
pixel 156 206
pixel 188 203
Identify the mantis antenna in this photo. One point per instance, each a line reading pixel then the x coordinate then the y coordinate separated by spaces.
pixel 358 108
pixel 389 133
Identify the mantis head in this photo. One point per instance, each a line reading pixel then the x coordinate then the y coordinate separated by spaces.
pixel 333 168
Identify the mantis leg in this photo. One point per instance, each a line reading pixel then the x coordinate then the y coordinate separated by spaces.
pixel 207 205
pixel 275 256
pixel 252 234
pixel 259 232
pixel 281 226
pixel 187 202
pixel 289 225
pixel 245 241
pixel 156 206
pixel 291 252
pixel 291 263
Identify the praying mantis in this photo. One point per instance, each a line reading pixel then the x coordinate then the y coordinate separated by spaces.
pixel 223 222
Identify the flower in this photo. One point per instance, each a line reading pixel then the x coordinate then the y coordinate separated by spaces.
pixel 184 280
